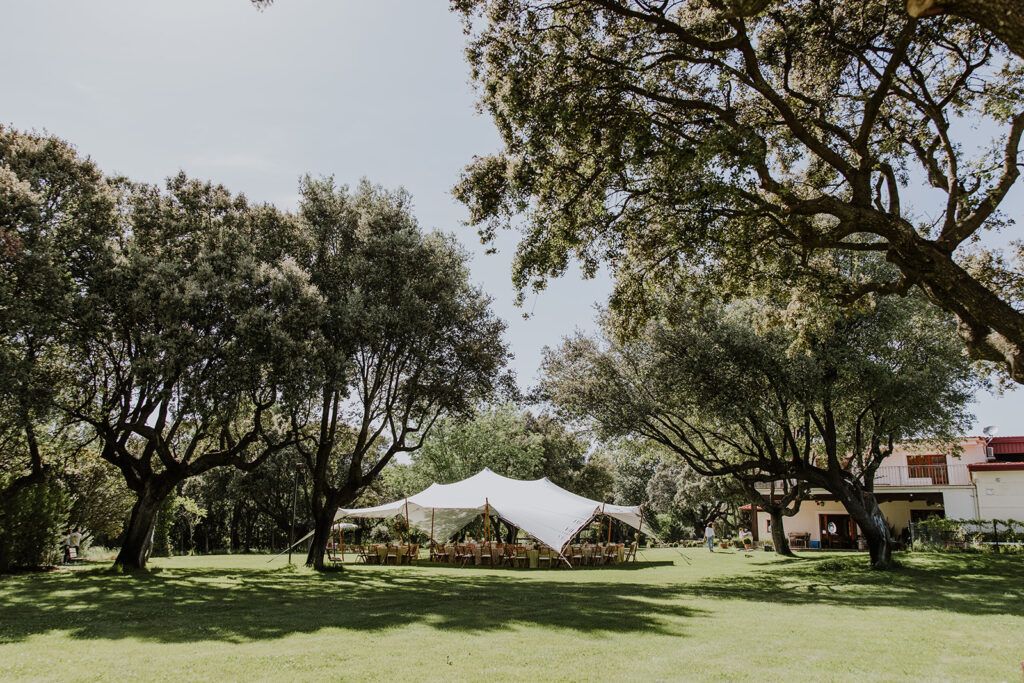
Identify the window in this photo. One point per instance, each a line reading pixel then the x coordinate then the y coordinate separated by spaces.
pixel 928 467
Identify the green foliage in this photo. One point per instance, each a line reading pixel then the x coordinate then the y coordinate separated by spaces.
pixel 633 464
pixel 56 214
pixel 190 330
pixel 403 338
pixel 162 545
pixel 671 528
pixel 511 442
pixel 694 499
pixel 731 397
pixel 495 437
pixel 836 565
pixel 189 512
pixel 695 380
pixel 32 522
pixel 100 500
pixel 677 143
pixel 943 534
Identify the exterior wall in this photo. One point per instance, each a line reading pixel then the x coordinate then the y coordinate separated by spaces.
pixel 995 494
pixel 804 522
pixel 972 449
pixel 1000 494
pixel 959 503
pixel 808 519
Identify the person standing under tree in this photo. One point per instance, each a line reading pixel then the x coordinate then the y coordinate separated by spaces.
pixel 709 537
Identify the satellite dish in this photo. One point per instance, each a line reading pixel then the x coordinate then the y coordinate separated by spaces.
pixel 990 431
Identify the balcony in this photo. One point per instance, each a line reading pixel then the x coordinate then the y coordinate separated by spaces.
pixel 912 475
pixel 922 475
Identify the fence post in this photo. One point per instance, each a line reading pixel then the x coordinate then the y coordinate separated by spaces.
pixel 995 532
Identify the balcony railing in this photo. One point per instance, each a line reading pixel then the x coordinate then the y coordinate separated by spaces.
pixel 913 475
pixel 922 475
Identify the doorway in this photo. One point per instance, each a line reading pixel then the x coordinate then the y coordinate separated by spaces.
pixel 837 531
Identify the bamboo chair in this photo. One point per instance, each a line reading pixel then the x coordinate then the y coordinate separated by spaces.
pixel 521 558
pixel 486 554
pixel 509 555
pixel 614 553
pixel 392 552
pixel 545 556
pixel 413 554
pixel 463 554
pixel 575 555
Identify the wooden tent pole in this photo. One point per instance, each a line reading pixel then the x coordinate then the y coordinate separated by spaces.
pixel 341 538
pixel 408 529
pixel 609 523
pixel 487 520
pixel 432 526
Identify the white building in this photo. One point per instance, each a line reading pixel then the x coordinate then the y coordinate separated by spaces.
pixel 984 481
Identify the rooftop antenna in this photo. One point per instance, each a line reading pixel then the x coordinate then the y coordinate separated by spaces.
pixel 990 432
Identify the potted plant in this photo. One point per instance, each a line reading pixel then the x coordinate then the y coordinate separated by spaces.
pixel 724 545
pixel 748 543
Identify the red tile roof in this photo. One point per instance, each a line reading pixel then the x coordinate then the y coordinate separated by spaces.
pixel 1007 445
pixel 995 466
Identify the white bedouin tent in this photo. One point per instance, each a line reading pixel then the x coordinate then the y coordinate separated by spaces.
pixel 539 507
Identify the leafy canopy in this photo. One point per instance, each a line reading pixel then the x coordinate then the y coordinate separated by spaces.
pixel 682 142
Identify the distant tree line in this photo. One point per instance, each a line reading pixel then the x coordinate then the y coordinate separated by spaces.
pixel 178 331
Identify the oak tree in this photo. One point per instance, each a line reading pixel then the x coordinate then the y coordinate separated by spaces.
pixel 762 406
pixel 687 141
pixel 403 338
pixel 188 341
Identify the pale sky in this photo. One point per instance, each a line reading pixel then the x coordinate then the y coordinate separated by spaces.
pixel 254 100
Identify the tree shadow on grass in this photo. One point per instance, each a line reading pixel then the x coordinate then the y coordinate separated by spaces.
pixel 237 605
pixel 962 583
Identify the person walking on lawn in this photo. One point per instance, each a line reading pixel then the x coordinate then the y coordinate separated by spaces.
pixel 709 537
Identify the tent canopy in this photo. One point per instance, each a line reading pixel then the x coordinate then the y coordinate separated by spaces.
pixel 539 507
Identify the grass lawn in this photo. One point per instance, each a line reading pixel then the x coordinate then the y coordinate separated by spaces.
pixel 727 616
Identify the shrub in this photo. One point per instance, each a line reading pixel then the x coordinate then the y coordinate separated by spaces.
pixel 966 534
pixel 31 524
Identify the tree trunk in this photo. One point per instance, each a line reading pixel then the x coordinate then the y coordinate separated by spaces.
pixel 991 328
pixel 323 522
pixel 876 533
pixel 138 534
pixel 779 539
pixel 1004 18
pixel 236 537
pixel 863 508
